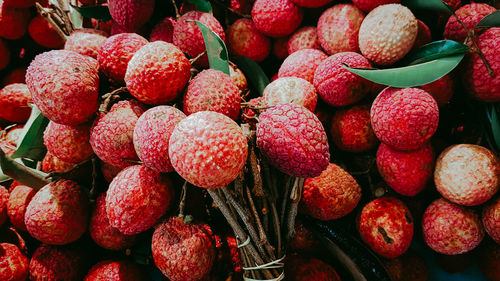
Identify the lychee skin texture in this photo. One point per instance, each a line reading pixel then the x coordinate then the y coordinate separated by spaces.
pixel 302 64
pixel 212 90
pixel 387 34
pixel 157 73
pixel 111 135
pixel 137 197
pixel 57 263
pixel 64 86
pixel 304 38
pixel 368 5
pixel 311 3
pixel 115 270
pixel 280 47
pixel 336 85
pixel 441 90
pixel 302 268
pixel 238 77
pixel 476 78
pixel 244 39
pixel 455 4
pixel 50 163
pixel 44 34
pixel 13 21
pixel 423 36
pixel 58 213
pixel 404 118
pixel 467 174
pixel 151 136
pixel 470 15
pixel 386 225
pixel 115 53
pixel 208 149
pixel 86 41
pixel 293 139
pixel 4 55
pixel 103 233
pixel 407 172
pixel 451 229
pixel 4 199
pixel 14 264
pixel 290 90
pixel 14 99
pixel 163 31
pixel 338 28
pixel 183 251
pixel 331 195
pixel 19 199
pixel 131 14
pixel 276 18
pixel 491 219
pixel 109 171
pixel 68 143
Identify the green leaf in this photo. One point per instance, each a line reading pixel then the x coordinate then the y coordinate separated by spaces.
pixel 256 77
pixel 491 20
pixel 216 49
pixel 3 178
pixel 435 50
pixel 76 18
pixel 410 76
pixel 494 123
pixel 94 12
pixel 31 141
pixel 202 5
pixel 18 172
pixel 435 5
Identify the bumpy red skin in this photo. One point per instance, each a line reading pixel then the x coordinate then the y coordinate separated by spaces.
pixel 311 3
pixel 182 251
pixel 212 90
pixel 489 261
pixel 14 99
pixel 109 171
pixel 19 3
pixel 304 240
pixel 470 15
pixel 290 90
pixel 338 28
pixel 116 52
pixel 336 85
pixel 304 38
pixel 51 263
pixel 451 229
pixel 467 174
pixel 238 77
pixel 302 64
pixel 301 268
pixel 163 31
pixel 4 199
pixel 13 263
pixel 16 75
pixel 441 90
pixel 477 80
pixel 68 143
pixel 64 86
pixel 331 195
pixel 157 73
pixel 455 4
pixel 368 5
pixel 188 37
pixel 208 149
pixel 244 39
pixel 293 139
pixel 491 219
pixel 279 47
pixel 58 213
pixel 131 14
pixel 86 41
pixel 242 6
pixel 404 118
pixel 13 21
pixel 276 18
pixel 151 136
pixel 51 163
pixel 4 55
pixel 115 270
pixel 19 198
pixel 386 225
pixel 44 34
pixel 423 35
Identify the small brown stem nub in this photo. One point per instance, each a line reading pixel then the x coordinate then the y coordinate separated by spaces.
pixel 182 203
pixel 177 14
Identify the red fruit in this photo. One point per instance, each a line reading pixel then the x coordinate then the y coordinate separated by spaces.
pixel 455 4
pixel 304 240
pixel 491 219
pixel 102 25
pixel 305 154
pixel 131 14
pixel 241 6
pixel 4 55
pixel 109 171
pixel 20 3
pixel 368 5
pixel 157 73
pixel 44 34
pixel 238 77
pixel 441 90
pixel 86 41
pixel 451 229
pixel 137 197
pixel 14 99
pixel 20 197
pixel 67 143
pixel 163 31
pixel 14 76
pixel 423 36
pixel 311 3
pixel 183 251
pixel 469 15
pixel 331 195
pixel 212 90
pixel 13 263
pixel 276 18
pixel 304 38
pixel 115 270
pixel 4 199
pixel 301 268
pixel 51 263
pixel 302 64
pixel 13 21
pixel 243 39
pixel 351 129
pixel 208 149
pixel 407 267
pixel 279 47
pixel 404 118
pixel 51 163
pixel 290 90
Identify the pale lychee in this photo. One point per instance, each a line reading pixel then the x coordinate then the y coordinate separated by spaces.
pixel 131 14
pixel 276 18
pixel 13 21
pixel 491 219
pixel 68 143
pixel 58 263
pixel 85 41
pixel 163 31
pixel 351 129
pixel 116 270
pixel 14 99
pixel 14 264
pixel 302 64
pixel 304 38
pixel 469 15
pixel 19 198
pixel 244 39
pixel 290 90
pixel 368 5
pixel 44 34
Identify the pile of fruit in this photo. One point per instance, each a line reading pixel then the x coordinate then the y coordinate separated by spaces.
pixel 144 140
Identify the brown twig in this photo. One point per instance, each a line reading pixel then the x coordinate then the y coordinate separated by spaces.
pixel 45 14
pixel 262 234
pixel 292 212
pixel 195 59
pixel 182 203
pixel 177 14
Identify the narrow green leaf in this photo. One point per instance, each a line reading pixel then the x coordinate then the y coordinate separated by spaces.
pixel 76 18
pixel 18 172
pixel 31 141
pixel 94 12
pixel 256 77
pixel 216 49
pixel 202 5
pixel 435 50
pixel 435 5
pixel 410 76
pixel 494 123
pixel 491 20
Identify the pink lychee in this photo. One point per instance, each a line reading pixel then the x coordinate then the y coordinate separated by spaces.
pixel 131 14
pixel 14 99
pixel 276 18
pixel 302 64
pixel 163 31
pixel 19 198
pixel 85 41
pixel 68 143
pixel 244 39
pixel 290 90
pixel 469 15
pixel 50 163
pixel 304 38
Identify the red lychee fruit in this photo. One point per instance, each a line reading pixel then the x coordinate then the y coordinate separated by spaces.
pixel 212 90
pixel 304 240
pixel 157 73
pixel 302 64
pixel 208 149
pixel 19 198
pixel 407 267
pixel 4 199
pixel 102 25
pixel 244 39
pixel 13 21
pixel 57 263
pixel 14 99
pixel 131 14
pixel 290 90
pixel 469 15
pixel 338 28
pixel 351 129
pixel 280 50
pixel 336 85
pixel 491 219
pixel 331 195
pixel 116 270
pixel 441 90
pixel 64 86
pixel 311 3
pixel 451 229
pixel 115 53
pixel 14 265
pixel 387 34
pixel 51 163
pixel 423 36
pixel 405 118
pixel 109 171
pixel 137 197
pixel 489 261
pixel 44 34
pixel 68 143
pixel 86 41
pixel 276 18
pixel 467 174
pixel 183 251
pixel 103 233
pixel 20 3
pixel 163 31
pixel 16 75
pixel 302 268
pixel 304 155
pixel 151 136
pixel 4 55
pixel 455 4
pixel 368 5
pixel 304 38
pixel 238 77
pixel 241 6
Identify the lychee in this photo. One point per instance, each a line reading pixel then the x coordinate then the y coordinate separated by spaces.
pixel 280 50
pixel 244 39
pixel 238 77
pixel 19 198
pixel 441 90
pixel 14 99
pixel 276 18
pixel 14 265
pixel 241 6
pixel 58 263
pixel 303 268
pixel 311 3
pixel 20 3
pixel 16 75
pixel 491 219
pixel 4 200
pixel 4 55
pixel 423 36
pixel 304 38
pixel 13 21
pixel 50 163
pixel 163 31
pixel 68 143
pixel 302 64
pixel 489 261
pixel 469 15
pixel 85 41
pixel 368 5
pixel 44 34
pixel 290 90
pixel 109 171
pixel 304 240
pixel 454 4
pixel 116 270
pixel 131 14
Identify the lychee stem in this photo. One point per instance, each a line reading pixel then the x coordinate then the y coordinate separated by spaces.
pixel 177 15
pixel 93 192
pixel 195 59
pixel 295 196
pixel 48 16
pixel 182 203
